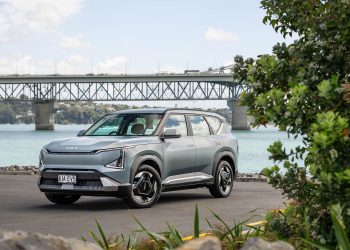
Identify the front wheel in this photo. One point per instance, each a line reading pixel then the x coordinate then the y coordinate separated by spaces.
pixel 62 199
pixel 146 187
pixel 223 180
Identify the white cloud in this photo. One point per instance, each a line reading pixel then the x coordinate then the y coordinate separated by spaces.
pixel 169 69
pixel 74 64
pixel 75 41
pixel 219 35
pixel 76 59
pixel 115 65
pixel 19 18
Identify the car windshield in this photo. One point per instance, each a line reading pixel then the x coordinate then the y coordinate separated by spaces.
pixel 125 125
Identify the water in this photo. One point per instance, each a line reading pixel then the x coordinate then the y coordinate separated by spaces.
pixel 20 144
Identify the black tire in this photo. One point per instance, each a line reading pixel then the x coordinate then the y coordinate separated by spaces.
pixel 223 180
pixel 146 187
pixel 62 199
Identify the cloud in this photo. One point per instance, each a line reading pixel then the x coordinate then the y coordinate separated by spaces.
pixel 114 65
pixel 219 35
pixel 76 59
pixel 73 64
pixel 15 64
pixel 170 69
pixel 19 18
pixel 75 41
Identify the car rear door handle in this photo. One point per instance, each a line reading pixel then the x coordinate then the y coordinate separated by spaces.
pixel 190 145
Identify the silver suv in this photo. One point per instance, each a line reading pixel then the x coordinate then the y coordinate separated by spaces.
pixel 137 154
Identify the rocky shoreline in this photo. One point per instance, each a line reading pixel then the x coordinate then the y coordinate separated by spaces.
pixel 33 170
pixel 19 170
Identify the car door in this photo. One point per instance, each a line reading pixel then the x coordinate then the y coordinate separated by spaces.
pixel 179 153
pixel 206 147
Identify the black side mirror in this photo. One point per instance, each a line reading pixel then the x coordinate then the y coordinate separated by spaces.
pixel 81 133
pixel 170 134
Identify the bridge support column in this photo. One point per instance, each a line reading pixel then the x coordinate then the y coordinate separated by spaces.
pixel 239 115
pixel 44 115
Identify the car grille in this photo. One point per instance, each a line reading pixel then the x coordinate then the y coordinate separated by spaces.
pixel 80 185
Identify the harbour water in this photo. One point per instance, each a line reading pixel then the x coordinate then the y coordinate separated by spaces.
pixel 20 144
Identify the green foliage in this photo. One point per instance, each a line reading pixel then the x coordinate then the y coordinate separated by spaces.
pixel 231 236
pixel 339 227
pixel 20 111
pixel 304 88
pixel 7 115
pixel 196 223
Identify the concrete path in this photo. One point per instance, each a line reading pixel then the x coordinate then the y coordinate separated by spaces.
pixel 24 207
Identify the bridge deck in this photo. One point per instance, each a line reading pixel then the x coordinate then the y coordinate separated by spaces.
pixel 200 77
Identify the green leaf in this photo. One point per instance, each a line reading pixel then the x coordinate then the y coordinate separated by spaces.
pixel 196 223
pixel 339 227
pixel 103 236
pixel 320 247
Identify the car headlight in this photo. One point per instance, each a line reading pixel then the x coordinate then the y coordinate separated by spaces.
pixel 117 163
pixel 41 158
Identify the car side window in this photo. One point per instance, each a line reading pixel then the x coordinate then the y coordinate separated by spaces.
pixel 199 125
pixel 177 122
pixel 214 122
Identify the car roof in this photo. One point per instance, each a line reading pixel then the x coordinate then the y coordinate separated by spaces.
pixel 167 110
pixel 142 111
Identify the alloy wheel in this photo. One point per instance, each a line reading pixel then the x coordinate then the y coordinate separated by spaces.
pixel 144 188
pixel 225 179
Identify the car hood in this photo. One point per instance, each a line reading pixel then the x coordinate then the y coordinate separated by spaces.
pixel 86 144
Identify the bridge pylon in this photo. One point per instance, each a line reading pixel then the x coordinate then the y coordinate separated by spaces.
pixel 239 115
pixel 44 114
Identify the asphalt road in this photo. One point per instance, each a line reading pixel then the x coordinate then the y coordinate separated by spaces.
pixel 23 207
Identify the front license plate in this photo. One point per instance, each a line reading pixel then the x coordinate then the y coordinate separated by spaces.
pixel 72 179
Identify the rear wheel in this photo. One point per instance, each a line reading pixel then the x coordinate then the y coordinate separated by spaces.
pixel 146 186
pixel 62 199
pixel 223 180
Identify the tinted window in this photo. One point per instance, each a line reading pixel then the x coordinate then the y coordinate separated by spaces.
pixel 177 122
pixel 214 122
pixel 199 126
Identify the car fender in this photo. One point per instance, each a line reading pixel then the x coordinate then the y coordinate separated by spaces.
pixel 219 155
pixel 142 158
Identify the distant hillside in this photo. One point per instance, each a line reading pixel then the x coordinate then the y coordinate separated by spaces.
pixel 71 112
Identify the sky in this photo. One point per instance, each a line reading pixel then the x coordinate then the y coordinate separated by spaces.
pixel 133 37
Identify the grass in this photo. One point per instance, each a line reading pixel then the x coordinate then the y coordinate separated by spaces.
pixel 231 236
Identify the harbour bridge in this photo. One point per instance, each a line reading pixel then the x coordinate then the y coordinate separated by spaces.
pixel 46 90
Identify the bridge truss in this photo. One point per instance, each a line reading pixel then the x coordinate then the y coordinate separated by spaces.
pixel 120 88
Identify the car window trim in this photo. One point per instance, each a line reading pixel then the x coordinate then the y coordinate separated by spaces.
pixel 211 128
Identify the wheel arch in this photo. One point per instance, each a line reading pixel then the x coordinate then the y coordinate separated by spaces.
pixel 226 156
pixel 150 160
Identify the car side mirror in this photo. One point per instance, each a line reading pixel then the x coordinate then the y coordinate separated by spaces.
pixel 81 132
pixel 170 134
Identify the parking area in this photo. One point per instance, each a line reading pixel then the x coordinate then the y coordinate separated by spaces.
pixel 23 207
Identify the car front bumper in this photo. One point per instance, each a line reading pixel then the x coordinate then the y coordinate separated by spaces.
pixel 89 182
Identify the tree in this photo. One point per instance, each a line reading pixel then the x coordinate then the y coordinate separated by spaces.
pixel 304 89
pixel 6 114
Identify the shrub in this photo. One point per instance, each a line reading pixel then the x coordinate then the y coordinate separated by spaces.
pixel 304 89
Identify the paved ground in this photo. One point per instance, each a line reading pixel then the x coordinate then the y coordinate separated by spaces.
pixel 23 207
